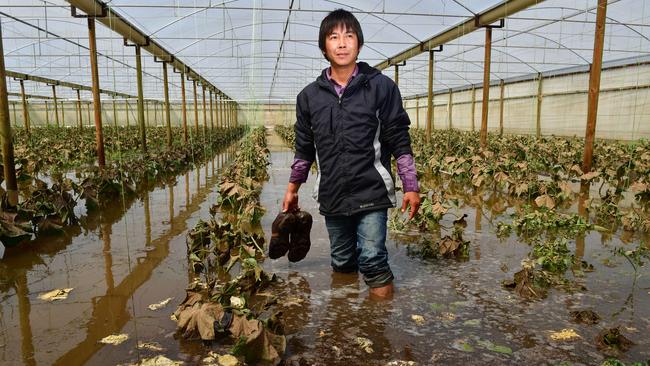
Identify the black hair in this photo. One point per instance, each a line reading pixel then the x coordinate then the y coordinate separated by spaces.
pixel 338 17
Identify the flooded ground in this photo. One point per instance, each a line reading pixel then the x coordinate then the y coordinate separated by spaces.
pixel 444 311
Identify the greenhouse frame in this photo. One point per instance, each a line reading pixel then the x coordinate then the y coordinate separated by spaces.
pixel 147 147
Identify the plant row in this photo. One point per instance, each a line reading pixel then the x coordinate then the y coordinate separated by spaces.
pixel 48 204
pixel 228 250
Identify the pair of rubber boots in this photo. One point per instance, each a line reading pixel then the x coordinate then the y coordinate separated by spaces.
pixel 290 233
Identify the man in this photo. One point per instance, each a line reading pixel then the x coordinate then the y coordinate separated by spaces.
pixel 350 120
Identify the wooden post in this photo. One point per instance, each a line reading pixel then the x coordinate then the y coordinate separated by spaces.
pixel 141 121
pixel 594 86
pixel 430 99
pixel 56 106
pixel 25 109
pixel 184 107
pixel 502 87
pixel 449 108
pixel 538 117
pixel 6 135
pixel 80 119
pixel 99 137
pixel 196 109
pixel 47 115
pixel 486 86
pixel 473 108
pixel 168 118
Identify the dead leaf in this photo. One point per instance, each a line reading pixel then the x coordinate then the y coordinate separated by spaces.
pixel 365 344
pixel 521 188
pixel 150 346
pixel 637 187
pixel 418 319
pixel 545 201
pixel 114 339
pixel 564 335
pixel 159 360
pixel 58 294
pixel 589 176
pixel 160 305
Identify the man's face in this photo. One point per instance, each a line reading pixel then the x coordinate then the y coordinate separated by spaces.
pixel 342 47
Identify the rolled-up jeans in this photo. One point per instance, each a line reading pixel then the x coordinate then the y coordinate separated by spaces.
pixel 358 243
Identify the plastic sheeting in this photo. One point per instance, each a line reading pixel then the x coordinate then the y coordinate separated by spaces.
pixel 242 46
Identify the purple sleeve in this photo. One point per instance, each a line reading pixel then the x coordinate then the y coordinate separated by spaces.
pixel 407 173
pixel 299 171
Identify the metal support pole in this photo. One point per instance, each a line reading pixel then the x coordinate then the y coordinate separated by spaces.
pixel 56 106
pixel 143 131
pixel 184 107
pixel 25 109
pixel 219 111
pixel 473 108
pixel 6 136
pixel 126 110
pixel 430 99
pixel 168 118
pixel 397 75
pixel 79 114
pixel 502 87
pixel 538 117
pixel 594 86
pixel 114 113
pixel 486 86
pixel 99 137
pixel 196 109
pixel 205 114
pixel 449 108
pixel 211 113
pixel 417 113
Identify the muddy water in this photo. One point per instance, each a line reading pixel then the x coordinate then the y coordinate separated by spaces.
pixel 133 255
pixel 120 261
pixel 468 317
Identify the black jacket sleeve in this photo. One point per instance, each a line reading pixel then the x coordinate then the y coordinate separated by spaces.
pixel 394 120
pixel 305 148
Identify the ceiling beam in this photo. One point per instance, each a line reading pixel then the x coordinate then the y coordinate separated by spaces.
pixel 105 15
pixel 489 16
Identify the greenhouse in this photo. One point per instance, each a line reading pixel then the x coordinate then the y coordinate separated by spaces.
pixel 475 182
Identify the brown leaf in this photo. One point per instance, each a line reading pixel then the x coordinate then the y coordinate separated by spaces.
pixel 545 201
pixel 589 176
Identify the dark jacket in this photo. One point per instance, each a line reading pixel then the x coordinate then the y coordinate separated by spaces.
pixel 351 138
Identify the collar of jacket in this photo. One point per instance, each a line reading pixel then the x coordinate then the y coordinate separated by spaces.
pixel 366 72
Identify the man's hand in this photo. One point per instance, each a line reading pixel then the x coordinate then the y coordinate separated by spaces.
pixel 411 199
pixel 290 202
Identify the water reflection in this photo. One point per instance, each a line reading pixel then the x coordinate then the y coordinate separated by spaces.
pixel 101 304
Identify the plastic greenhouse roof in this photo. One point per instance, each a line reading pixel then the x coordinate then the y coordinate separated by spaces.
pixel 267 51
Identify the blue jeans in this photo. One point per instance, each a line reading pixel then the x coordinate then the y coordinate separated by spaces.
pixel 358 243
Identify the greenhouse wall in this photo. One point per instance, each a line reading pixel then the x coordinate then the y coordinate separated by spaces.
pixel 41 115
pixel 623 108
